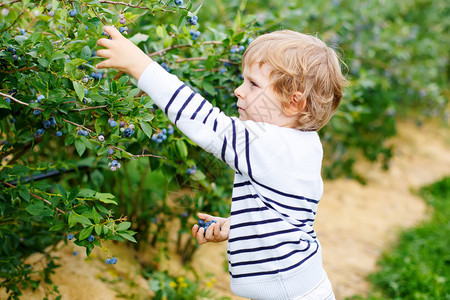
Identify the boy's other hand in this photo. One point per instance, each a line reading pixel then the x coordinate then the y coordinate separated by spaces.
pixel 122 54
pixel 217 232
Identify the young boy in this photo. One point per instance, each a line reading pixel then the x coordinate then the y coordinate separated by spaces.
pixel 292 86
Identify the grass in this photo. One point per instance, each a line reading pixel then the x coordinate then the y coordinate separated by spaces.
pixel 418 266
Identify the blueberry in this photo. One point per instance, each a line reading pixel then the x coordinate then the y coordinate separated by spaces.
pixel 110 151
pixel 51 13
pixel 85 92
pixel 201 223
pixel 234 49
pixel 8 100
pixel 193 20
pixel 46 124
pixel 70 236
pixel 58 133
pixel 36 112
pixel 22 31
pixel 122 21
pixel 101 138
pixel 170 130
pixel 128 132
pixel 91 238
pixel 75 253
pixel 113 123
pixel 82 132
pixel 72 12
pixel 108 261
pixel 241 48
pixel 113 260
pixel 52 121
pixel 122 124
pixel 179 2
pixel 39 98
pixel 122 29
pixel 222 70
pixel 114 163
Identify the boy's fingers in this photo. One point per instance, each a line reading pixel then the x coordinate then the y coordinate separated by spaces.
pixel 200 236
pixel 194 230
pixel 104 64
pixel 112 31
pixel 104 42
pixel 103 53
pixel 216 231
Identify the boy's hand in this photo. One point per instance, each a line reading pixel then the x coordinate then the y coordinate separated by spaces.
pixel 122 54
pixel 217 232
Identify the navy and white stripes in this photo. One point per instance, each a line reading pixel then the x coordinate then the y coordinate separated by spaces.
pixel 276 190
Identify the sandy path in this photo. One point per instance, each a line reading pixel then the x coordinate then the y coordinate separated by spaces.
pixel 355 223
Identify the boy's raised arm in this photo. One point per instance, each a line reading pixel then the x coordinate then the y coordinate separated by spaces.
pixel 122 54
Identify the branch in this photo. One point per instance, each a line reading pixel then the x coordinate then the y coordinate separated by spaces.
pixel 19 70
pixel 78 125
pixel 18 101
pixel 89 108
pixel 138 155
pixel 36 196
pixel 135 6
pixel 12 2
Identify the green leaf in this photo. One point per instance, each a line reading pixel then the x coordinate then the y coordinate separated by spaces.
pixel 105 198
pixel 210 62
pixel 146 128
pixel 123 226
pixel 85 232
pixel 86 193
pixel 81 147
pixel 73 194
pixel 43 62
pixel 139 37
pixel 128 237
pixel 38 209
pixel 74 219
pixel 98 229
pixel 95 216
pixel 86 53
pixel 181 148
pixel 57 227
pixel 62 191
pixel 79 89
pixel 24 193
pixel 4 104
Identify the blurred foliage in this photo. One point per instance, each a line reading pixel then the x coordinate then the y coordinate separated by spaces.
pixel 418 266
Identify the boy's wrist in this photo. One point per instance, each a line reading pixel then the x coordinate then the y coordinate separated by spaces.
pixel 141 64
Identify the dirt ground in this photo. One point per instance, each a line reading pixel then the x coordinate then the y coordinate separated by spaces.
pixel 355 223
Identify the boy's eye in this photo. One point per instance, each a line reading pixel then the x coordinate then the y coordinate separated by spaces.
pixel 253 83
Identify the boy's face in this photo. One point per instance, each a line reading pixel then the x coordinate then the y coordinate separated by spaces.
pixel 256 100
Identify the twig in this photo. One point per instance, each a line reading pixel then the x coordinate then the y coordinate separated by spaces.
pixel 18 101
pixel 36 196
pixel 89 108
pixel 12 2
pixel 19 70
pixel 78 125
pixel 138 155
pixel 135 6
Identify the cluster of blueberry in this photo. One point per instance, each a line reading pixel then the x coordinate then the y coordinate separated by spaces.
pixel 13 51
pixel 122 19
pixel 114 165
pixel 97 75
pixel 195 34
pixel 236 49
pixel 162 135
pixel 111 261
pixel 193 20
pixel 192 170
pixel 82 132
pixel 205 225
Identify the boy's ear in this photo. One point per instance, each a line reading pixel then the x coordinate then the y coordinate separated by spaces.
pixel 296 105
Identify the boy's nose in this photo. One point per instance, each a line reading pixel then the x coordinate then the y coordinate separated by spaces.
pixel 238 92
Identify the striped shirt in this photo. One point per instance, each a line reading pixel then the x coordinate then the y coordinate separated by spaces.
pixel 273 251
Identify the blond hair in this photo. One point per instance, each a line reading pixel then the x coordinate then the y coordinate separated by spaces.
pixel 304 63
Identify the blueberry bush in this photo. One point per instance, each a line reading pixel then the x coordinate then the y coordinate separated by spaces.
pixel 86 157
